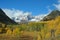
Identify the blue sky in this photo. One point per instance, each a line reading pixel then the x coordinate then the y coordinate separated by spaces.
pixel 37 7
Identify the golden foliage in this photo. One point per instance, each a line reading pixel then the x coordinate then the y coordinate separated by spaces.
pixel 16 31
pixel 9 32
pixel 43 30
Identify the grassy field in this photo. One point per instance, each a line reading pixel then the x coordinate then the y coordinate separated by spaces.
pixel 44 30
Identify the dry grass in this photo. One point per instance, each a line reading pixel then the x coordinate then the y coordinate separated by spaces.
pixel 22 36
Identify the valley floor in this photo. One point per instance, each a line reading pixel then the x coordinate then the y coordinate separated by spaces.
pixel 26 36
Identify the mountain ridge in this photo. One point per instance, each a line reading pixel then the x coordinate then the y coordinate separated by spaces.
pixel 5 19
pixel 52 15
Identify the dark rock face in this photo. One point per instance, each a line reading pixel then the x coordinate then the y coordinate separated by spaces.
pixel 52 15
pixel 5 19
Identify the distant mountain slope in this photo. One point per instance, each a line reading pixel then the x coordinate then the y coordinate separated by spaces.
pixel 52 15
pixel 5 19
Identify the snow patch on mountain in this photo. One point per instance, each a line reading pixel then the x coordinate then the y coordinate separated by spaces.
pixel 19 16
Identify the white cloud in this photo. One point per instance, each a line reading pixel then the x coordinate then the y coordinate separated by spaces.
pixel 14 13
pixel 9 12
pixel 57 5
pixel 37 18
pixel 34 20
pixel 49 10
pixel 58 1
pixel 27 13
pixel 21 15
pixel 40 17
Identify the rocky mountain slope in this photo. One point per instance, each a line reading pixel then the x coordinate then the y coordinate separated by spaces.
pixel 52 15
pixel 5 19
